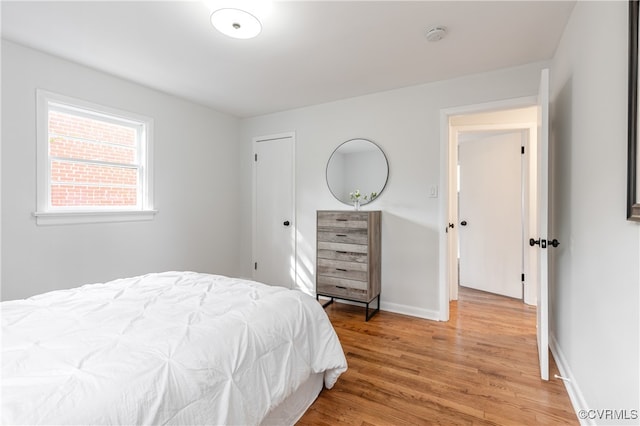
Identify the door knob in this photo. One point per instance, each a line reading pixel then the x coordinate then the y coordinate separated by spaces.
pixel 463 223
pixel 286 223
pixel 540 241
pixel 543 243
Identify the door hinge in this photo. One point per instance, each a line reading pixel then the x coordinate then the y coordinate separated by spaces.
pixel 255 158
pixel 522 277
pixel 522 150
pixel 255 266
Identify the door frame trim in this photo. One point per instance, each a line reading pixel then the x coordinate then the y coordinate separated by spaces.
pixel 254 207
pixel 448 152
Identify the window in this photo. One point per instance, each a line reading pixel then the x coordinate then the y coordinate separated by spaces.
pixel 94 162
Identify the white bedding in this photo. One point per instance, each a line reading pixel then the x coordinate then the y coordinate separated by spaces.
pixel 168 348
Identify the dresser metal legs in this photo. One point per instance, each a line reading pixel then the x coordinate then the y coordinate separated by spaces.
pixel 375 311
pixel 324 305
pixel 367 315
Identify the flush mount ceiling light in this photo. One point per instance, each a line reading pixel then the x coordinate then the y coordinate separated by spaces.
pixel 236 23
pixel 436 34
pixel 238 18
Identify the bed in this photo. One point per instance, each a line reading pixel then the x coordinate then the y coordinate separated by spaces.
pixel 166 348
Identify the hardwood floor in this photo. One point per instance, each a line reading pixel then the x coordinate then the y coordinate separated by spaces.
pixel 481 367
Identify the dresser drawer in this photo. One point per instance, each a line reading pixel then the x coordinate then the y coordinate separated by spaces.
pixel 342 282
pixel 355 220
pixel 341 251
pixel 340 269
pixel 349 248
pixel 347 256
pixel 346 236
pixel 328 286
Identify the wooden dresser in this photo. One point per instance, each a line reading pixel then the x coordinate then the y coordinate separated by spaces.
pixel 348 256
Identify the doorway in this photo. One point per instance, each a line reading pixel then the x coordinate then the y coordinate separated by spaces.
pixel 536 198
pixel 274 224
pixel 517 115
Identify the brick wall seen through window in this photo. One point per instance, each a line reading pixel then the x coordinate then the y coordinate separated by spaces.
pixel 92 162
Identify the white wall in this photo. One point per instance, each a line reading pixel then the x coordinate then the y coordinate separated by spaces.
pixel 405 123
pixel 196 153
pixel 595 282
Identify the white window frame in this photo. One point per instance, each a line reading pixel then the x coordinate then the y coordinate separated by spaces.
pixel 46 214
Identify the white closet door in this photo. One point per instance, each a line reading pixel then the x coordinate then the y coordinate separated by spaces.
pixel 274 242
pixel 490 212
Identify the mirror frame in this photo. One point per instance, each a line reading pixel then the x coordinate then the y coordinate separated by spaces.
pixel 326 171
pixel 633 202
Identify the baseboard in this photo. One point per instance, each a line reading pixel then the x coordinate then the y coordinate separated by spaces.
pixel 410 310
pixel 573 389
pixel 396 308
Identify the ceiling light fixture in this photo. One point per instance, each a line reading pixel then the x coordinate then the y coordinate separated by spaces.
pixel 236 23
pixel 238 18
pixel 436 34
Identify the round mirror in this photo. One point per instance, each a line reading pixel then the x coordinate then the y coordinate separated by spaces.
pixel 357 166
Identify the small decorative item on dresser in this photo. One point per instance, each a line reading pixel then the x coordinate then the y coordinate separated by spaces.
pixel 348 257
pixel 355 198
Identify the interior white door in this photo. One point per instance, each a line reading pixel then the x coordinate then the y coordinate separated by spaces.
pixel 274 226
pixel 542 317
pixel 490 211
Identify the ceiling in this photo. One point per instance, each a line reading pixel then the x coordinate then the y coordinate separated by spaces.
pixel 309 52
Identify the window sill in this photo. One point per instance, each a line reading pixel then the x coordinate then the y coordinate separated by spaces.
pixel 68 218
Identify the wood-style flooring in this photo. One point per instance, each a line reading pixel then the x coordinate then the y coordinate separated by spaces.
pixel 481 367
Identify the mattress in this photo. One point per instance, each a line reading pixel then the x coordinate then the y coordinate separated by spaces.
pixel 166 348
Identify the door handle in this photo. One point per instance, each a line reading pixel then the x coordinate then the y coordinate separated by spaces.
pixel 463 223
pixel 543 243
pixel 286 223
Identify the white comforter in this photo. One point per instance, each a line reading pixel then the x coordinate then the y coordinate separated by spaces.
pixel 175 347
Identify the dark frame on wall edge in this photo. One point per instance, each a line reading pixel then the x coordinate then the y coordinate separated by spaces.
pixel 633 202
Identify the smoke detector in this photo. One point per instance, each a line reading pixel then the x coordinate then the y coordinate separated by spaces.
pixel 436 33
